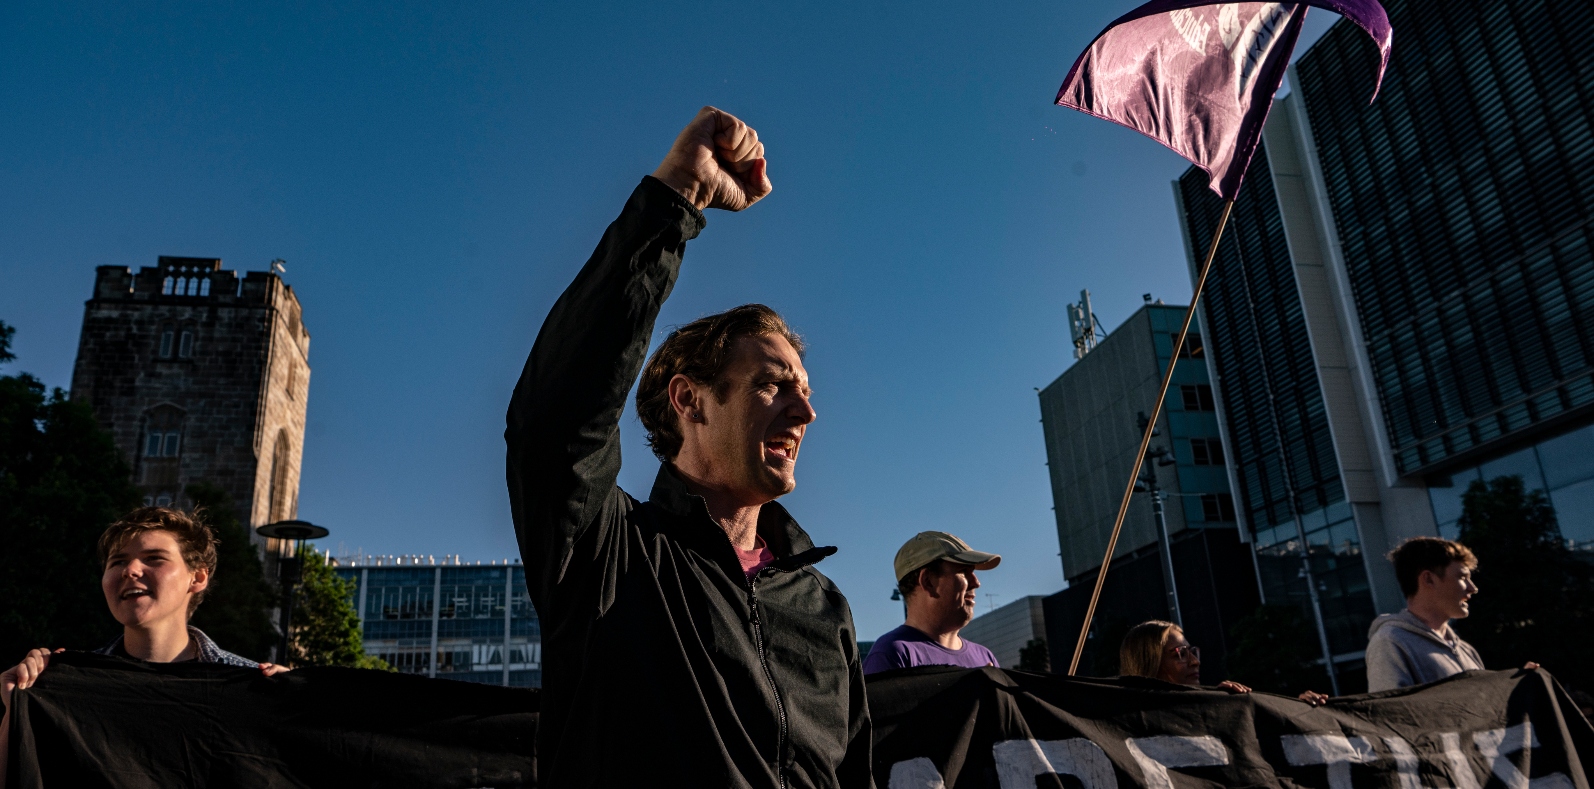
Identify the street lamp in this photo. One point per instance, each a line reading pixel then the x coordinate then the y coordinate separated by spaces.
pixel 288 535
pixel 1147 483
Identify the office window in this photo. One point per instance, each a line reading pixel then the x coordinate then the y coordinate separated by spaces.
pixel 1198 397
pixel 1207 451
pixel 1192 346
pixel 1217 507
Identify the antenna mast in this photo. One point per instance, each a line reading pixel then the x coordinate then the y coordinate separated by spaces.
pixel 1084 327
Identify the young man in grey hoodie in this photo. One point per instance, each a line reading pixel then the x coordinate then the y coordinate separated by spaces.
pixel 1417 645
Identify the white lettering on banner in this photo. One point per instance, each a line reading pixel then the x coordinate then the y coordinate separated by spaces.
pixel 1254 42
pixel 1335 750
pixel 1497 745
pixel 1408 768
pixel 1156 754
pixel 917 773
pixel 1192 28
pixel 1460 767
pixel 1018 762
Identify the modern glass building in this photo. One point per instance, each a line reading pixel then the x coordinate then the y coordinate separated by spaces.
pixel 1403 299
pixel 456 621
pixel 1284 466
pixel 1463 200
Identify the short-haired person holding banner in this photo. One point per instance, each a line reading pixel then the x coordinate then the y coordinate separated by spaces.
pixel 936 576
pixel 1417 645
pixel 687 638
pixel 157 564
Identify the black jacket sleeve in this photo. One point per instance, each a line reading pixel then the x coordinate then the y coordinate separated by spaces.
pixel 564 420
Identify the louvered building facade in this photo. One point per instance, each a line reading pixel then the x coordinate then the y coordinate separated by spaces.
pixel 1404 299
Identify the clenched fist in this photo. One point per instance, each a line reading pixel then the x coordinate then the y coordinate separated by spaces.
pixel 716 162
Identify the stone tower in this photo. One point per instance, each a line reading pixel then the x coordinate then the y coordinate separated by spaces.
pixel 201 375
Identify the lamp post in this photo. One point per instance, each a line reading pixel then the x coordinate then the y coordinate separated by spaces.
pixel 1160 456
pixel 288 535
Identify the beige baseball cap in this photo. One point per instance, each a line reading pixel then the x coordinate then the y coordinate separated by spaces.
pixel 928 546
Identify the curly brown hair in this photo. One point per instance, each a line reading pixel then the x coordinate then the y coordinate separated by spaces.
pixel 700 350
pixel 195 539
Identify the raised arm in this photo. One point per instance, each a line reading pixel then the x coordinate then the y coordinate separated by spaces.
pixel 563 432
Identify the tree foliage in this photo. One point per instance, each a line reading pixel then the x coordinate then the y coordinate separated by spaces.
pixel 62 482
pixel 1536 597
pixel 1033 657
pixel 236 613
pixel 326 628
pixel 1275 649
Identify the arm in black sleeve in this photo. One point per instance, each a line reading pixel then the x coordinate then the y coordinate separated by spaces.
pixel 857 767
pixel 564 419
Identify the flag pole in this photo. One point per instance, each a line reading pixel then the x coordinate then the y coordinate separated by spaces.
pixel 1145 440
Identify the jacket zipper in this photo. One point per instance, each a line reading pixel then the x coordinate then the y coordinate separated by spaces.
pixel 763 660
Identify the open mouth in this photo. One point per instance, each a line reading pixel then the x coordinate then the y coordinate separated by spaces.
pixel 783 447
pixel 134 593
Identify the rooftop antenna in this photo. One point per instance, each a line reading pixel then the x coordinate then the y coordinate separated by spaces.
pixel 1082 324
pixel 279 266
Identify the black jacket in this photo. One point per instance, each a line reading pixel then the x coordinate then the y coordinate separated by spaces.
pixel 662 664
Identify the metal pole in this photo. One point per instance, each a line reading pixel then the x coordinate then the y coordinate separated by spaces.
pixel 1167 556
pixel 1145 439
pixel 288 577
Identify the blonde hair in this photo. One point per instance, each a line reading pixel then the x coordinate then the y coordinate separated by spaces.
pixel 1143 647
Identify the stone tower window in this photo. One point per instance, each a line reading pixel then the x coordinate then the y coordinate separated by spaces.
pixel 185 342
pixel 166 286
pixel 167 335
pixel 164 433
pixel 293 378
pixel 279 508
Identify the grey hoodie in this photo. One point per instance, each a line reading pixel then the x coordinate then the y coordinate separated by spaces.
pixel 1403 651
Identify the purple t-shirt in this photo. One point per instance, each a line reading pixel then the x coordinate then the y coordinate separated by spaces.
pixel 906 646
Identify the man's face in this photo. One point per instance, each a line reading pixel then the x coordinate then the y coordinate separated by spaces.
pixel 953 599
pixel 147 581
pixel 1450 590
pixel 751 440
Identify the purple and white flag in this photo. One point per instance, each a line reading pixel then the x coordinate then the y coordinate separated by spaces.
pixel 1199 77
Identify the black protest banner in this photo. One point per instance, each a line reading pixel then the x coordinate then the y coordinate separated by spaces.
pixel 95 721
pixel 939 727
pixel 99 721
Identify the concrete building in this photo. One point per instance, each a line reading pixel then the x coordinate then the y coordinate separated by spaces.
pixel 473 623
pixel 1009 629
pixel 201 375
pixel 1090 415
pixel 1404 299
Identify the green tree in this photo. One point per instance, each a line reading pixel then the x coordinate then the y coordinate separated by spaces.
pixel 326 628
pixel 237 610
pixel 62 481
pixel 1032 656
pixel 1275 649
pixel 1536 597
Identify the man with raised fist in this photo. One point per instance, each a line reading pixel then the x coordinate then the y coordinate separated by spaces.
pixel 687 639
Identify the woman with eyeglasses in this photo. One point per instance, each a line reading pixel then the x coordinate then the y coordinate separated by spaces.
pixel 1158 650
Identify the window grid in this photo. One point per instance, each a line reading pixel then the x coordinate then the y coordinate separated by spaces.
pixel 1464 200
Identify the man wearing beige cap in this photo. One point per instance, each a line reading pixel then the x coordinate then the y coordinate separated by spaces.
pixel 935 573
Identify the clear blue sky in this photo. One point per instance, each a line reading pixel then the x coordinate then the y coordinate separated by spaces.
pixel 435 173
